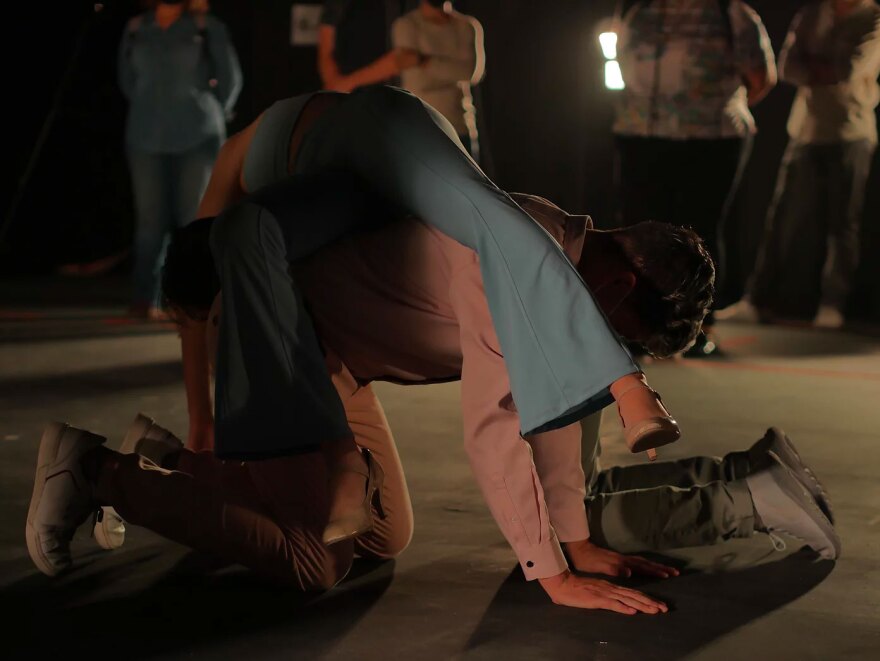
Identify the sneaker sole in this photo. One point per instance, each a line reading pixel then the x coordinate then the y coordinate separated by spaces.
pixel 800 500
pixel 46 457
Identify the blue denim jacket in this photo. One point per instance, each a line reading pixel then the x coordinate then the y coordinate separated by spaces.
pixel 181 83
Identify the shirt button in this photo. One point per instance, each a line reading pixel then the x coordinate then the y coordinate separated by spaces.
pixel 530 564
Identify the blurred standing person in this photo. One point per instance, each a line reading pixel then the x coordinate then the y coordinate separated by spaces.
pixel 684 130
pixel 354 45
pixel 181 76
pixel 453 59
pixel 832 55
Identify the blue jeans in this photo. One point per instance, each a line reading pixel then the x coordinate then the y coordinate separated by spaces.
pixel 167 191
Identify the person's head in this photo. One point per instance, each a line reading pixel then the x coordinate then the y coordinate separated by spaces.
pixel 654 281
pixel 191 6
pixel 189 276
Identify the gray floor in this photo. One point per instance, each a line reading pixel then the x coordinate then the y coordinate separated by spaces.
pixel 455 593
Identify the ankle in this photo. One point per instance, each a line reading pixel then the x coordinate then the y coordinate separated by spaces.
pixel 626 383
pixel 93 463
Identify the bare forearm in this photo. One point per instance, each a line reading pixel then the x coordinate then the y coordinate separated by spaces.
pixel 378 71
pixel 196 371
pixel 759 84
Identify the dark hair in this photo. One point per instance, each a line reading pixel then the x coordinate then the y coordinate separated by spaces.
pixel 189 277
pixel 676 282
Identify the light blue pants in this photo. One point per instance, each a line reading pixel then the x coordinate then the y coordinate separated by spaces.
pixel 560 352
pixel 167 190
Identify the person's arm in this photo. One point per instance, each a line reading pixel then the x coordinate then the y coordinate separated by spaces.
pixel 795 64
pixel 225 65
pixel 197 382
pixel 557 458
pixel 386 67
pixel 327 67
pixel 226 185
pixel 503 466
pixel 753 51
pixel 124 67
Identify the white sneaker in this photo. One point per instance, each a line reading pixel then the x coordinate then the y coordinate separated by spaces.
pixel 777 445
pixel 785 505
pixel 62 498
pixel 828 317
pixel 146 438
pixel 742 311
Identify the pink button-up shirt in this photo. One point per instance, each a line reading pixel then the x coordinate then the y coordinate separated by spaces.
pixel 405 303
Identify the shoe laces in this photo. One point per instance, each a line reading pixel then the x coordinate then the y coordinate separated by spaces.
pixel 777 541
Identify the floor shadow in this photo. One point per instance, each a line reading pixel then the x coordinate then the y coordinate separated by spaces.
pixel 703 607
pixel 191 610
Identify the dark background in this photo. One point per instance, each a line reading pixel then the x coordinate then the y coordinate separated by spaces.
pixel 545 113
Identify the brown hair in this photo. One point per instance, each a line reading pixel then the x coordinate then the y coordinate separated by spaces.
pixel 676 282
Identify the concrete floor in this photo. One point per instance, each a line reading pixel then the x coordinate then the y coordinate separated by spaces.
pixel 455 593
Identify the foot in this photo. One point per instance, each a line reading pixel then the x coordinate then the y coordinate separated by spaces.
pixel 353 491
pixel 146 438
pixel 646 422
pixel 743 311
pixel 777 446
pixel 62 498
pixel 828 317
pixel 783 504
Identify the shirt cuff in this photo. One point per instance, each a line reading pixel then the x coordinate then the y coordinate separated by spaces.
pixel 542 560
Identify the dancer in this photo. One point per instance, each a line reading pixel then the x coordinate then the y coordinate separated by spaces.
pixel 406 302
pixel 407 153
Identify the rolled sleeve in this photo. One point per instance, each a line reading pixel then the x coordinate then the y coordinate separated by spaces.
pixel 499 456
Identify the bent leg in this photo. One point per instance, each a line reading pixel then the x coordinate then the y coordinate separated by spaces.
pixel 681 473
pixel 273 393
pixel 668 517
pixel 411 155
pixel 268 516
pixel 390 536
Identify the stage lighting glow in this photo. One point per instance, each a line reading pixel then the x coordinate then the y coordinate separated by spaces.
pixel 608 41
pixel 614 76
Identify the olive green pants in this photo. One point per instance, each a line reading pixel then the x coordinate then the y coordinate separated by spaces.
pixel 653 506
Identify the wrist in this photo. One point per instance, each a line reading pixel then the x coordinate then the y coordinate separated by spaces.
pixel 553 582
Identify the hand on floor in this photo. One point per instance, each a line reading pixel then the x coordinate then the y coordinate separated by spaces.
pixel 566 589
pixel 591 559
